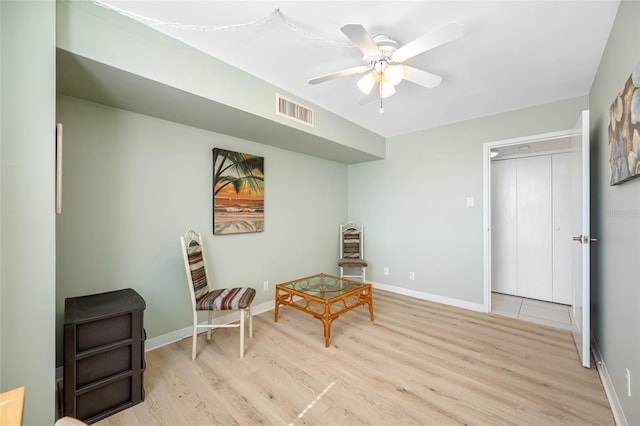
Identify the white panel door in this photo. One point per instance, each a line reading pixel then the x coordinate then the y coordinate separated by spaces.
pixel 534 257
pixel 504 233
pixel 580 265
pixel 561 193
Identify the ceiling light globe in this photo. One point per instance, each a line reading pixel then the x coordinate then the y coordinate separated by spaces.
pixel 386 89
pixel 394 74
pixel 366 83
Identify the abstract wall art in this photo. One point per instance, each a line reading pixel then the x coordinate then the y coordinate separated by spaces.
pixel 624 131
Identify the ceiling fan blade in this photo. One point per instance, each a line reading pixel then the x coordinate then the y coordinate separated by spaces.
pixel 343 73
pixel 361 38
pixel 438 37
pixel 422 78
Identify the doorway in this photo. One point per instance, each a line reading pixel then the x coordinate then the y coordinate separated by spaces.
pixel 549 314
pixel 506 300
pixel 580 225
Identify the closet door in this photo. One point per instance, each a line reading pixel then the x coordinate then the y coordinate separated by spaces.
pixel 562 243
pixel 504 236
pixel 534 252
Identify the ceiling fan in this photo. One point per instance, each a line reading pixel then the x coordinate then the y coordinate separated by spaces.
pixel 383 59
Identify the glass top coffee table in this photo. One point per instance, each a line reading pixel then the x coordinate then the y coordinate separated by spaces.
pixel 325 297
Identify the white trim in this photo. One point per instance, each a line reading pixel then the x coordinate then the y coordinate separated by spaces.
pixel 531 154
pixel 174 336
pixel 486 223
pixel 609 390
pixel 478 307
pixel 58 168
pixel 534 138
pixel 486 196
pixel 177 335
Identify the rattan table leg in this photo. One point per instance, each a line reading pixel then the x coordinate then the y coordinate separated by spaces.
pixel 326 320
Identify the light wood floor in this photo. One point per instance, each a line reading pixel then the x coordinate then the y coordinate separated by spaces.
pixel 417 363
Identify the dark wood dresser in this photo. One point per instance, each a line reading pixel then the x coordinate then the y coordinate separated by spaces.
pixel 103 354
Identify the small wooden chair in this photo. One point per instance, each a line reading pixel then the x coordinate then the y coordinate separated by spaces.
pixel 352 250
pixel 224 299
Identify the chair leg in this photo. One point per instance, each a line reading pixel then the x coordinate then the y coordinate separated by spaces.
pixel 242 313
pixel 250 323
pixel 209 319
pixel 341 272
pixel 195 336
pixel 364 275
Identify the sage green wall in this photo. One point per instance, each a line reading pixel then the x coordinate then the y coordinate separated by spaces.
pixel 105 36
pixel 133 184
pixel 413 203
pixel 27 250
pixel 616 222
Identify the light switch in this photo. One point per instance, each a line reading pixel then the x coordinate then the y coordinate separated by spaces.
pixel 470 201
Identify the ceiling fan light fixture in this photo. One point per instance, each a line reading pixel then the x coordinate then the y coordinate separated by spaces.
pixel 394 74
pixel 386 88
pixel 367 83
pixel 383 58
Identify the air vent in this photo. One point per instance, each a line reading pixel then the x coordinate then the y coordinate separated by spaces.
pixel 294 111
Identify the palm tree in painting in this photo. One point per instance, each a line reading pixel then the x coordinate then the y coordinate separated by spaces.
pixel 239 170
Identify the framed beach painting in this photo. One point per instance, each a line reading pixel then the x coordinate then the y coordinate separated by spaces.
pixel 238 192
pixel 624 131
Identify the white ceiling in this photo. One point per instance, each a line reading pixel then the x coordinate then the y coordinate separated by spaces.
pixel 513 54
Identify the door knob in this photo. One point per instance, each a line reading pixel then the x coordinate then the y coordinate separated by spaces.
pixel 582 239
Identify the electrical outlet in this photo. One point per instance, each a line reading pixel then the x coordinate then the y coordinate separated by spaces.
pixel 412 275
pixel 386 270
pixel 627 374
pixel 265 285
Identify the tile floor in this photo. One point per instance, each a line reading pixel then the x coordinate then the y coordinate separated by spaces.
pixel 536 311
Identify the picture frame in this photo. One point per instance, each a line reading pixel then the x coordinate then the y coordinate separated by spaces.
pixel 624 131
pixel 58 168
pixel 238 192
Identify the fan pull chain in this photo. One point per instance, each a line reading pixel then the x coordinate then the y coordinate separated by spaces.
pixel 381 110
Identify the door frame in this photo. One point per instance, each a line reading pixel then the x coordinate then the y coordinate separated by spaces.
pixel 486 195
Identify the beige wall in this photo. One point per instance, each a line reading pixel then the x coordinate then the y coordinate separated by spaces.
pixel 615 212
pixel 126 64
pixel 129 194
pixel 27 231
pixel 133 184
pixel 414 202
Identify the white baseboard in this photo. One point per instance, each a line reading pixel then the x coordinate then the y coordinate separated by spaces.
pixel 174 336
pixel 609 390
pixel 177 335
pixel 478 307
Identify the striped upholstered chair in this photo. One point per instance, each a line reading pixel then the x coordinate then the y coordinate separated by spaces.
pixel 203 299
pixel 352 251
